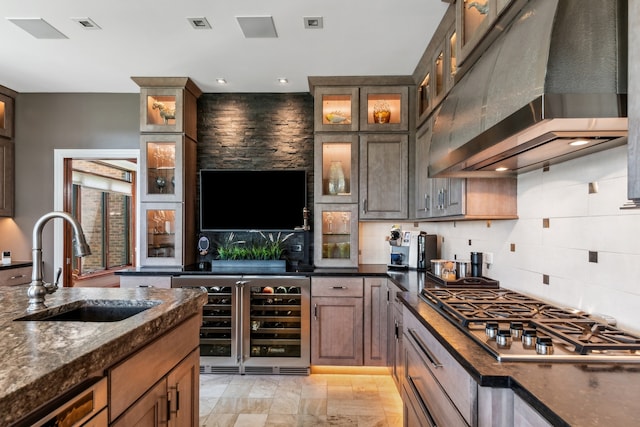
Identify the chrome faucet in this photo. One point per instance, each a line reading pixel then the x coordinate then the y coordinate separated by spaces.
pixel 38 288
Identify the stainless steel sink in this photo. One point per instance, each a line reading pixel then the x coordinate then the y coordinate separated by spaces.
pixel 91 311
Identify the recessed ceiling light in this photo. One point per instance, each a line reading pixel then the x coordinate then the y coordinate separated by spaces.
pixel 579 142
pixel 221 81
pixel 199 23
pixel 257 26
pixel 314 22
pixel 283 81
pixel 38 28
pixel 86 23
pixel 502 169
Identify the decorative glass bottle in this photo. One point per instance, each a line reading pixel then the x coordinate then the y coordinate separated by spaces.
pixel 337 183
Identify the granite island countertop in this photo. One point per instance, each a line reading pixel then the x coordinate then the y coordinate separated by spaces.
pixel 43 359
pixel 566 394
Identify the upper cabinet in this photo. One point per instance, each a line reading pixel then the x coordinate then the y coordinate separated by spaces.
pixel 168 104
pixel 6 114
pixel 7 160
pixel 336 109
pixel 336 168
pixel 384 108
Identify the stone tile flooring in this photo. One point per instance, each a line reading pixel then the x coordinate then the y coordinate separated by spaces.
pixel 314 400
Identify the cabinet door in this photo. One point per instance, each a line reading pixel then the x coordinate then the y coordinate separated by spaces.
pixel 384 108
pixel 6 177
pixel 383 176
pixel 161 234
pixel 455 196
pixel 161 165
pixel 336 168
pixel 424 185
pixel 336 109
pixel 149 411
pixel 6 116
pixel 375 321
pixel 336 331
pixel 336 236
pixel 184 392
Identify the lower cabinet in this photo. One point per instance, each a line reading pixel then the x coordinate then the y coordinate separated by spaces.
pixel 136 281
pixel 440 390
pixel 337 321
pixel 159 384
pixel 349 321
pixel 394 336
pixel 525 416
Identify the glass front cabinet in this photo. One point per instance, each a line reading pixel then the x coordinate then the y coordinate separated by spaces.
pixel 336 166
pixel 6 116
pixel 384 108
pixel 163 161
pixel 161 240
pixel 336 235
pixel 336 109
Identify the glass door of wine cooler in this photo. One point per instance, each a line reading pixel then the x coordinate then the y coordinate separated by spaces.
pixel 276 326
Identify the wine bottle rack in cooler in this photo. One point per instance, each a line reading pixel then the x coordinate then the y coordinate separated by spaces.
pixel 253 324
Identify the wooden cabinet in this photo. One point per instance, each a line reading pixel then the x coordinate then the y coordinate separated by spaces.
pixel 394 335
pixel 384 108
pixel 336 235
pixel 336 109
pixel 336 324
pixel 167 215
pixel 336 168
pixel 376 302
pixel 15 276
pixel 136 281
pixel 148 390
pixel 7 147
pixel 384 176
pixel 423 185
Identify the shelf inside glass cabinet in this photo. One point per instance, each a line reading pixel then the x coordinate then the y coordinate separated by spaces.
pixel 161 109
pixel 275 322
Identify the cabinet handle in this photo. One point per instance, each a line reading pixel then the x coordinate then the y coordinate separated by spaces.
pixel 315 311
pixel 426 202
pixel 19 276
pixel 421 402
pixel 364 206
pixel 434 361
pixel 447 197
pixel 395 332
pixel 340 287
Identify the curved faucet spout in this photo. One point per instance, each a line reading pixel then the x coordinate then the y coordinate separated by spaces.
pixel 38 289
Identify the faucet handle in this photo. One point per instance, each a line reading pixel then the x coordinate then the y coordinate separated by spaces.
pixel 58 274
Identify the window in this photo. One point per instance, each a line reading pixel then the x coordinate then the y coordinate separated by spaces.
pixel 102 197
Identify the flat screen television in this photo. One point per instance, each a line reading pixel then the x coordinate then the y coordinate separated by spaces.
pixel 252 200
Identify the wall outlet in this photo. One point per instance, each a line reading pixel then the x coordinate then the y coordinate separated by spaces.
pixel 488 257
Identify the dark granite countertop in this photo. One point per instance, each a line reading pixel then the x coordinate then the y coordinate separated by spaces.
pixel 15 264
pixel 566 394
pixel 41 360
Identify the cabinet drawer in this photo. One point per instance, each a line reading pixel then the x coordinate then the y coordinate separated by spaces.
pixel 337 287
pixel 15 276
pixel 449 374
pixel 132 377
pixel 145 282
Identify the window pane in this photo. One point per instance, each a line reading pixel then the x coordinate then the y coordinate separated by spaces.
pixel 118 217
pixel 91 207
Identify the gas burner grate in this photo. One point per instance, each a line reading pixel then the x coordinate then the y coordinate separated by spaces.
pixel 587 335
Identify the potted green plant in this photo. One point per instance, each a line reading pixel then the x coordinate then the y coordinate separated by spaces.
pixel 259 254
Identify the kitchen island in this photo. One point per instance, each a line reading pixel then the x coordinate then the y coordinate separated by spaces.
pixel 44 359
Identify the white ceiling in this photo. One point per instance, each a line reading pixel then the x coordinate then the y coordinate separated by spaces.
pixel 154 38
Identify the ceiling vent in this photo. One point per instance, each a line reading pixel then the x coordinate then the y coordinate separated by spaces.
pixel 199 23
pixel 257 26
pixel 38 28
pixel 86 23
pixel 313 22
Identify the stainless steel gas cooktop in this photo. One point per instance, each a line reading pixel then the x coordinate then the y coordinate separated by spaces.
pixel 515 327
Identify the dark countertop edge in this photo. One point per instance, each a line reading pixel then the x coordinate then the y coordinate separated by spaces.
pixel 99 360
pixel 363 269
pixel 16 264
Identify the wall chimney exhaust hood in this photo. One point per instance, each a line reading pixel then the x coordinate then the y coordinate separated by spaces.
pixel 552 87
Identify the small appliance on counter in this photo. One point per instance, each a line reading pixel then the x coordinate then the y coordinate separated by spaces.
pixel 412 249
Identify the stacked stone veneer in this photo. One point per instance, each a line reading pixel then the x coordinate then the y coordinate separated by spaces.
pixel 256 132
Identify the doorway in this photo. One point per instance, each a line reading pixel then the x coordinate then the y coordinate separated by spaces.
pixel 99 188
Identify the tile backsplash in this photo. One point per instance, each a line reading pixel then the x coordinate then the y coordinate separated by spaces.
pixel 580 222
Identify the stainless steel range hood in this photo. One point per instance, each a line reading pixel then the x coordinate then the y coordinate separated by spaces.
pixel 557 74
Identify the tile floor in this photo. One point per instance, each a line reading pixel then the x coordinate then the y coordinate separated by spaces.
pixel 314 400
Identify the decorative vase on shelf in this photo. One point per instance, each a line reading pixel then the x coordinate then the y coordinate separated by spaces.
pixel 381 112
pixel 337 183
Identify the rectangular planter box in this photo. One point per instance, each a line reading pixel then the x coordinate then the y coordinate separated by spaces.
pixel 249 266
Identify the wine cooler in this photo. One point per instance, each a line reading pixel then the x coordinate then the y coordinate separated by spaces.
pixel 253 324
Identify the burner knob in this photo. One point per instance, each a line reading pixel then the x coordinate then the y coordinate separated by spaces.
pixel 503 339
pixel 516 329
pixel 544 345
pixel 529 338
pixel 491 330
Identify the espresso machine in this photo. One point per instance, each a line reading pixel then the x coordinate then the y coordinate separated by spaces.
pixel 412 249
pixel 400 244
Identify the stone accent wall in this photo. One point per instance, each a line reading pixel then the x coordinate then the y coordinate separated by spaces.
pixel 256 131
